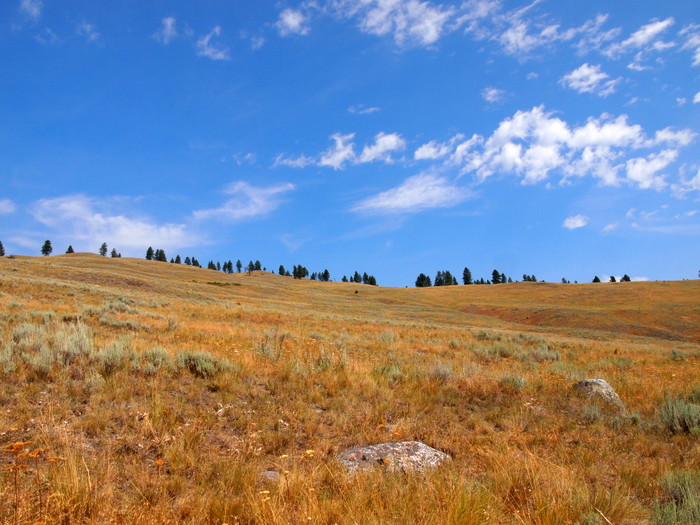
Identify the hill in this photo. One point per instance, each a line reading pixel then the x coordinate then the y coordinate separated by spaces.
pixel 166 390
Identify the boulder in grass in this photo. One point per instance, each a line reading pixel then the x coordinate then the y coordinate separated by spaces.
pixel 403 456
pixel 600 389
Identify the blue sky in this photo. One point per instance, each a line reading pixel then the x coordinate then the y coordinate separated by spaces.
pixel 395 137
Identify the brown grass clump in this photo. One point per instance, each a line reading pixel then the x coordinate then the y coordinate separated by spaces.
pixel 143 392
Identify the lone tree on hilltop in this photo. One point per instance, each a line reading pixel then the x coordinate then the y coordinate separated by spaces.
pixel 2 250
pixel 103 249
pixel 46 249
pixel 70 249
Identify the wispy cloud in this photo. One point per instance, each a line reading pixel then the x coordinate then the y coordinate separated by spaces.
pixel 574 222
pixel 90 221
pixel 384 145
pixel 691 34
pixel 7 207
pixel 246 202
pixel 361 109
pixel 206 48
pixel 420 192
pixel 342 151
pixel 31 8
pixel 589 79
pixel 167 31
pixel 89 31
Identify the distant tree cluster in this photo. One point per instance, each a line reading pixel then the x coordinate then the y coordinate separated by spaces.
pixel 356 278
pixel 445 278
pixel 529 278
pixel 624 279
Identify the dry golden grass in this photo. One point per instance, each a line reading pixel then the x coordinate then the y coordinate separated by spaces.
pixel 167 390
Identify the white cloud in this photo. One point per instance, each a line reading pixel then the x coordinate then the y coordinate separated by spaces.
pixel 207 49
pixel 361 109
pixel 88 31
pixel 384 145
pixel 292 22
pixel 31 8
pixel 89 221
pixel 589 79
pixel 644 171
pixel 535 144
pixel 410 22
pixel 492 94
pixel 246 202
pixel 7 207
pixel 642 42
pixel 167 32
pixel 691 33
pixel 434 150
pixel 417 193
pixel 342 151
pixel 696 98
pixel 575 222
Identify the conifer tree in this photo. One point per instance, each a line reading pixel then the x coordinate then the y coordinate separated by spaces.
pixel 149 253
pixel 103 249
pixel 496 277
pixel 239 265
pixel 70 249
pixel 625 278
pixel 177 259
pixel 282 271
pixel 326 275
pixel 423 281
pixel 467 276
pixel 344 279
pixel 612 279
pixel 188 262
pixel 46 249
pixel 114 253
pixel 2 250
pixel 257 266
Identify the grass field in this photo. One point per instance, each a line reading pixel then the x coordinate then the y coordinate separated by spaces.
pixel 140 392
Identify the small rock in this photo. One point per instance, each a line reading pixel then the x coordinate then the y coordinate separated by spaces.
pixel 599 388
pixel 401 456
pixel 270 476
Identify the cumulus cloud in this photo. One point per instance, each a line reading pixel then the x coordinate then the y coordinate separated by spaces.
pixel 492 94
pixel 246 202
pixel 91 221
pixel 575 222
pixel 292 22
pixel 207 49
pixel 536 144
pixel 696 98
pixel 167 32
pixel 417 193
pixel 589 79
pixel 384 145
pixel 31 8
pixel 7 207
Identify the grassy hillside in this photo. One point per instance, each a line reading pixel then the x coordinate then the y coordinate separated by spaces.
pixel 158 393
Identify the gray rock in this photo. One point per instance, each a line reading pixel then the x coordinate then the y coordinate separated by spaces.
pixel 401 456
pixel 270 476
pixel 599 388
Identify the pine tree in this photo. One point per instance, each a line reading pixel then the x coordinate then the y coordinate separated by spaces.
pixel 239 265
pixel 625 278
pixel 612 279
pixel 344 279
pixel 313 276
pixel 326 275
pixel 46 249
pixel 496 277
pixel 218 266
pixel 188 262
pixel 373 282
pixel 282 271
pixel 149 254
pixel 2 250
pixel 114 253
pixel 70 249
pixel 257 266
pixel 177 259
pixel 467 276
pixel 250 267
pixel 357 278
pixel 423 281
pixel 103 249
pixel 211 265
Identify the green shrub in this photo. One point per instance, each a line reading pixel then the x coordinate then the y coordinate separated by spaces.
pixel 513 382
pixel 154 359
pixel 679 355
pixel 679 416
pixel 390 372
pixel 680 501
pixel 201 364
pixel 73 342
pixel 113 357
pixel 271 347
